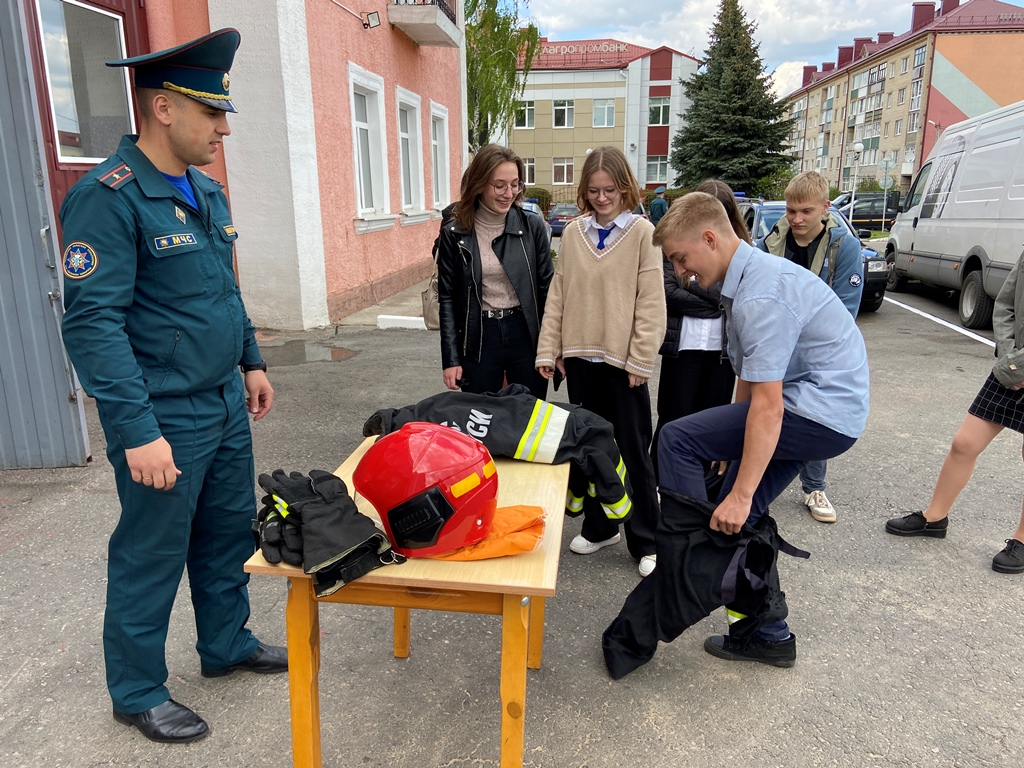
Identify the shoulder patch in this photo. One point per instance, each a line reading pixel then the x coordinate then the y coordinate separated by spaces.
pixel 854 279
pixel 229 230
pixel 80 260
pixel 115 178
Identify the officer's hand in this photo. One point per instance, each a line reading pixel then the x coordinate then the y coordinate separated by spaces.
pixel 730 515
pixel 452 376
pixel 152 464
pixel 259 394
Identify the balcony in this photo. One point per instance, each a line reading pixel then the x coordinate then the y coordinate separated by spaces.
pixel 427 22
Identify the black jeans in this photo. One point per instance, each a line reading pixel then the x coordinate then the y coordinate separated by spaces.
pixel 508 354
pixel 605 390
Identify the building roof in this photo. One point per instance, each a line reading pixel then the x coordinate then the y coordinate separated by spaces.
pixel 972 16
pixel 589 54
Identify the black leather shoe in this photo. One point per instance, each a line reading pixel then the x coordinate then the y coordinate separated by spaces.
pixel 266 659
pixel 914 524
pixel 1011 559
pixel 781 654
pixel 169 723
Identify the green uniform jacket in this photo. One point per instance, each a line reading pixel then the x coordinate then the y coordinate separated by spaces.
pixel 151 304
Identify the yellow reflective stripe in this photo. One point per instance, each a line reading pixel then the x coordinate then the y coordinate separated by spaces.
pixel 620 509
pixel 734 616
pixel 465 485
pixel 280 505
pixel 621 471
pixel 573 503
pixel 489 468
pixel 551 434
pixel 592 491
pixel 529 433
pixel 540 432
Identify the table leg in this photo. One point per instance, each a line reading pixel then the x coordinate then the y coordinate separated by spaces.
pixel 535 647
pixel 303 627
pixel 402 621
pixel 513 678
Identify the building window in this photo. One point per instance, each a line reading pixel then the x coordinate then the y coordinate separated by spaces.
pixel 912 120
pixel 368 131
pixel 888 100
pixel 904 65
pixel 564 113
pixel 899 128
pixel 524 115
pixel 901 96
pixel 658 113
pixel 409 144
pixel 919 56
pixel 561 170
pixel 885 130
pixel 439 153
pixel 604 113
pixel 657 168
pixel 91 105
pixel 530 164
pixel 915 95
pixel 892 70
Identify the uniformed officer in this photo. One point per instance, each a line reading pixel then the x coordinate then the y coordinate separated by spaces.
pixel 156 329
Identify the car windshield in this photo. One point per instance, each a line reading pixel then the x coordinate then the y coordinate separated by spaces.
pixel 564 210
pixel 532 207
pixel 771 215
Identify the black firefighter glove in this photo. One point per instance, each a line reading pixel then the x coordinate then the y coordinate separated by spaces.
pixel 281 516
pixel 341 543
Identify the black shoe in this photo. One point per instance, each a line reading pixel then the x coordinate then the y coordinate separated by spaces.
pixel 781 654
pixel 914 524
pixel 169 723
pixel 266 659
pixel 1011 559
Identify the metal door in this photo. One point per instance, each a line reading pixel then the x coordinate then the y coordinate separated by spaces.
pixel 41 416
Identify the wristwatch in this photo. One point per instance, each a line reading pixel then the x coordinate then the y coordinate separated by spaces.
pixel 260 366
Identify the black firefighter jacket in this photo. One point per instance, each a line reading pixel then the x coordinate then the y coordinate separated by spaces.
pixel 523 250
pixel 514 423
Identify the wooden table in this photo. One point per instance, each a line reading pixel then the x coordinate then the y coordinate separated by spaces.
pixel 511 587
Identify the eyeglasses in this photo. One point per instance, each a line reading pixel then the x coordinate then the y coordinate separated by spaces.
pixel 501 186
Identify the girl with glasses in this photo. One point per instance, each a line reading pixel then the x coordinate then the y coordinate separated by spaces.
pixel 493 271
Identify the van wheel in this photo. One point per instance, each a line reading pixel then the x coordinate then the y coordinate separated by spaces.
pixel 975 304
pixel 896 282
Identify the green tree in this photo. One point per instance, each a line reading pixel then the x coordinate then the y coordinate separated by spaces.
pixel 733 127
pixel 500 48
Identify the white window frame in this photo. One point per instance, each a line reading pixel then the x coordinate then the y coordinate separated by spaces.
pixel 415 211
pixel 439 155
pixel 661 174
pixel 529 115
pixel 904 65
pixel 569 113
pixel 530 171
pixel 664 107
pixel 129 93
pixel 898 128
pixel 566 163
pixel 376 216
pixel 604 107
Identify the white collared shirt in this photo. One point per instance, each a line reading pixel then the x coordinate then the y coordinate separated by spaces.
pixel 592 228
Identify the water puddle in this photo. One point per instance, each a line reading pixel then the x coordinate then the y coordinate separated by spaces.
pixel 299 352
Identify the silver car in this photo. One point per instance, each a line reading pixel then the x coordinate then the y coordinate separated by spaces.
pixel 534 208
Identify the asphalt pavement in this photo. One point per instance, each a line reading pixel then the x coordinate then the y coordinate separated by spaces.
pixel 909 651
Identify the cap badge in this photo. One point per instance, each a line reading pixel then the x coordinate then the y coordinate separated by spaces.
pixel 226 82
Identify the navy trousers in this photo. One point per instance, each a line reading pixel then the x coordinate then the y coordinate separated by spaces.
pixel 202 524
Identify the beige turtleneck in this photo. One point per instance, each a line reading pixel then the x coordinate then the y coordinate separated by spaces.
pixel 496 289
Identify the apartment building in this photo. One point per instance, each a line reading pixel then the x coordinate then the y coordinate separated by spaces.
pixel 582 94
pixel 894 93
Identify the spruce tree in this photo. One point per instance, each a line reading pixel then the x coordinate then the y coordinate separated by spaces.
pixel 733 129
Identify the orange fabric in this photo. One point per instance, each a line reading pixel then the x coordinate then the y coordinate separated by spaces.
pixel 515 529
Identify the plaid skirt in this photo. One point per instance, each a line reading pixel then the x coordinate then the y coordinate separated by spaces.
pixel 999 405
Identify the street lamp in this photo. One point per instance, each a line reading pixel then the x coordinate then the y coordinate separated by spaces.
pixel 857 149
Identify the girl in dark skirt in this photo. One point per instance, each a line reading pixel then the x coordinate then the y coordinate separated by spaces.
pixel 999 405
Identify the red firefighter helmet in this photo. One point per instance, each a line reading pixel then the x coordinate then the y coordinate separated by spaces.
pixel 434 488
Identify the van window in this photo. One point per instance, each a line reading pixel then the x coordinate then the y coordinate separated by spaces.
pixel 917 191
pixel 996 147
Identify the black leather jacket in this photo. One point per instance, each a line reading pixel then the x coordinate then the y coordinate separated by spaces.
pixel 692 301
pixel 523 250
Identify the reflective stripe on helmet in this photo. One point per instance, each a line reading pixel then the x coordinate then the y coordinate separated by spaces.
pixel 466 484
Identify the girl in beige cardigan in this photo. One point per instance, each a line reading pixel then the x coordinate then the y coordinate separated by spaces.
pixel 604 322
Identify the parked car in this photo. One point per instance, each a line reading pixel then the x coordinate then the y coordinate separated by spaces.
pixel 962 222
pixel 534 208
pixel 843 200
pixel 561 214
pixel 871 214
pixel 762 217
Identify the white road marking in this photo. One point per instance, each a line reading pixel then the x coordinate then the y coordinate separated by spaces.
pixel 940 321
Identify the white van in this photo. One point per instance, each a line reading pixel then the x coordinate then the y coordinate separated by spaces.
pixel 961 225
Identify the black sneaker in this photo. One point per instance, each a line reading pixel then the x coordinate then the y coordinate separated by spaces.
pixel 781 654
pixel 914 524
pixel 1011 559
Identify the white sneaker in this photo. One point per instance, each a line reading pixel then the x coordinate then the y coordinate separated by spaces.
pixel 821 508
pixel 582 546
pixel 647 565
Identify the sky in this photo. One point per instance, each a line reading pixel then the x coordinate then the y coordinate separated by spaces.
pixel 791 33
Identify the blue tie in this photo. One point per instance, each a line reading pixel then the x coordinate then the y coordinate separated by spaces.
pixel 601 235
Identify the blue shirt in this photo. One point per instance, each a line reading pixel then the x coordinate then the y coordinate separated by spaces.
pixel 785 324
